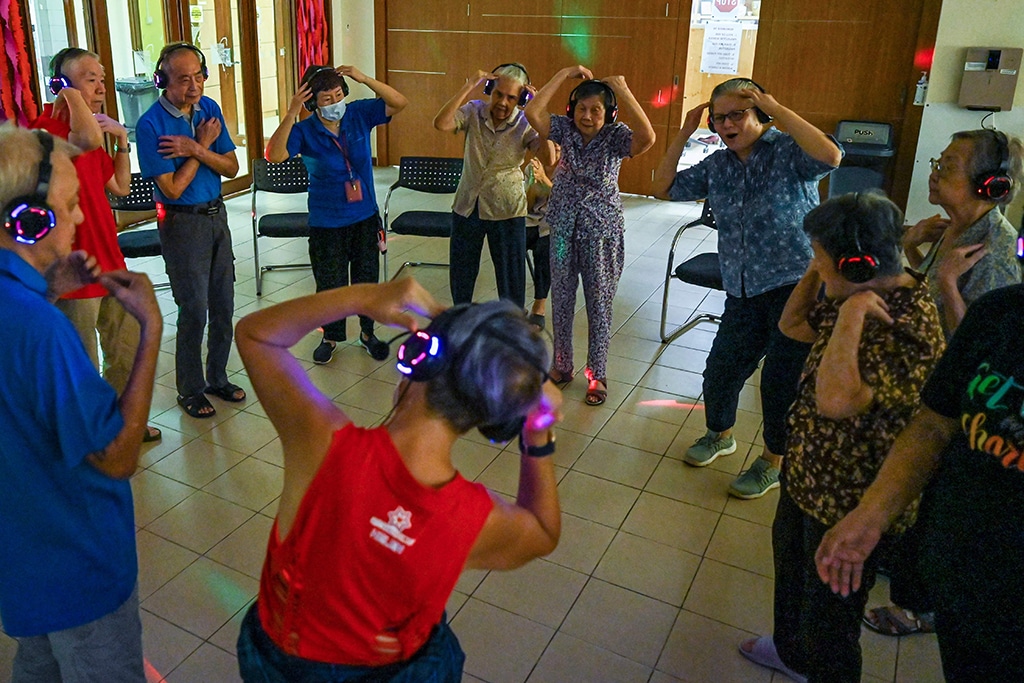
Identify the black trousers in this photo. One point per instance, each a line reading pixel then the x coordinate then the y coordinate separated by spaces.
pixel 541 248
pixel 335 253
pixel 506 241
pixel 817 632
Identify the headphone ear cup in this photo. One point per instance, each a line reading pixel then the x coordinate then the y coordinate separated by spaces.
pixel 711 124
pixel 994 187
pixel 29 219
pixel 761 116
pixel 421 356
pixel 524 98
pixel 504 431
pixel 858 269
pixel 160 79
pixel 610 115
pixel 489 86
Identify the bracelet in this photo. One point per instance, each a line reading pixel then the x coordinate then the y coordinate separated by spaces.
pixel 122 150
pixel 536 451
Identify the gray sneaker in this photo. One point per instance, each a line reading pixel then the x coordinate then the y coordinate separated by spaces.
pixel 708 447
pixel 761 478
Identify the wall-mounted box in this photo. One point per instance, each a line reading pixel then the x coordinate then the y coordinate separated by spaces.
pixel 990 78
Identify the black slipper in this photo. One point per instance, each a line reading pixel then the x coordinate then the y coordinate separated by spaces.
pixel 227 392
pixel 194 404
pixel 152 434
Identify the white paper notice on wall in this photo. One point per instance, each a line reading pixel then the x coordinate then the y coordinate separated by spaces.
pixel 721 51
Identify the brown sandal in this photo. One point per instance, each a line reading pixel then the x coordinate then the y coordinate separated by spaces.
pixel 896 621
pixel 597 392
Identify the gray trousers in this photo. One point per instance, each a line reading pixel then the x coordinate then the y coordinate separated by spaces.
pixel 200 265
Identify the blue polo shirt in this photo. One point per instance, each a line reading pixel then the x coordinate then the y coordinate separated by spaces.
pixel 163 118
pixel 759 207
pixel 67 533
pixel 326 163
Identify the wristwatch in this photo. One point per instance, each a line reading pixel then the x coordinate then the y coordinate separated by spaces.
pixel 537 451
pixel 126 149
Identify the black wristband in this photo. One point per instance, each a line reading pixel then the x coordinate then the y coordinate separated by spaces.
pixel 536 451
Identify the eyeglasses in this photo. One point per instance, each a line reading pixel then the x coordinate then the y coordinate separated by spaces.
pixel 936 166
pixel 734 116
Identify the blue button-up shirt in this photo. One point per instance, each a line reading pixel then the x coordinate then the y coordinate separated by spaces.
pixel 163 118
pixel 759 207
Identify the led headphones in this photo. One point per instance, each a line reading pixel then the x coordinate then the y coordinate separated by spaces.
pixel 611 107
pixel 310 104
pixel 424 356
pixel 524 95
pixel 160 77
pixel 29 218
pixel 761 116
pixel 995 185
pixel 58 81
pixel 857 267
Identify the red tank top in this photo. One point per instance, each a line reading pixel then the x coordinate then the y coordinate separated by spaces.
pixel 372 552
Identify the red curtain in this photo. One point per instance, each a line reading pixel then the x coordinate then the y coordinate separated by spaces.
pixel 19 102
pixel 311 25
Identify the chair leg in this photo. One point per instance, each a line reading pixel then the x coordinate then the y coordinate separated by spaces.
pixel 687 326
pixel 418 264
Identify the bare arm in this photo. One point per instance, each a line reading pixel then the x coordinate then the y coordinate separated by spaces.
pixel 198 152
pixel 840 390
pixel 537 109
pixel 121 182
pixel 908 467
pixel 394 101
pixel 277 148
pixel 643 131
pixel 134 291
pixel 85 132
pixel 802 299
pixel 665 174
pixel 810 139
pixel 445 119
pixel 516 533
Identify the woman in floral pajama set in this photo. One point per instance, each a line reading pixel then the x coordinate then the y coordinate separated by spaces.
pixel 585 211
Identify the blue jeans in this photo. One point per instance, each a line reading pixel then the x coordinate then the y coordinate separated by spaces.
pixel 260 660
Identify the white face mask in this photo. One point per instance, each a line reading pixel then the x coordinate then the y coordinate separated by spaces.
pixel 333 112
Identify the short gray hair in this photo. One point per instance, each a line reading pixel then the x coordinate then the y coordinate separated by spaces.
pixel 20 154
pixel 987 156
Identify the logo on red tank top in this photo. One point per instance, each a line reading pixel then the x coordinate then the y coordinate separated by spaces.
pixel 390 533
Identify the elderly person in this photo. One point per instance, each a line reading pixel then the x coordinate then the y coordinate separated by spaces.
pixel 972 252
pixel 344 222
pixel 490 200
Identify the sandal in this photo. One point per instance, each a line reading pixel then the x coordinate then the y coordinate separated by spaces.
pixel 152 434
pixel 197 405
pixel 537 320
pixel 896 621
pixel 559 378
pixel 597 392
pixel 228 392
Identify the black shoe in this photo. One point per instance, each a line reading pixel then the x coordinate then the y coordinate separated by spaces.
pixel 377 349
pixel 324 353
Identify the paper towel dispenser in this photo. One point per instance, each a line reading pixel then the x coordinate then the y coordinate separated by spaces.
pixel 990 78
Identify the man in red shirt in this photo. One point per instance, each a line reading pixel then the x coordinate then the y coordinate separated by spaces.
pixel 77 78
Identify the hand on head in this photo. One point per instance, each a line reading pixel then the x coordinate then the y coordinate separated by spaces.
pixel 301 96
pixel 762 100
pixel 695 116
pixel 548 410
pixel 398 302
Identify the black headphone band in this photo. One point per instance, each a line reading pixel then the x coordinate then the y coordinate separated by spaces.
pixel 611 103
pixel 1003 145
pixel 45 165
pixel 171 48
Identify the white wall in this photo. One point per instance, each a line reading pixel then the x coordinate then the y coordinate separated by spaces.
pixel 352 22
pixel 963 24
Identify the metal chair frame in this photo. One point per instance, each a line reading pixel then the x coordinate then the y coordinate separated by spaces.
pixel 707 219
pixel 433 175
pixel 287 177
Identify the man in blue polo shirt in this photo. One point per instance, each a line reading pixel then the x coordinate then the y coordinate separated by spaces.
pixel 68 566
pixel 184 146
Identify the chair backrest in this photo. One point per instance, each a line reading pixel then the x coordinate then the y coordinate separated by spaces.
pixel 707 218
pixel 139 197
pixel 436 175
pixel 288 177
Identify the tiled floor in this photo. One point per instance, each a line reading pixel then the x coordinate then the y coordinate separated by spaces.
pixel 659 573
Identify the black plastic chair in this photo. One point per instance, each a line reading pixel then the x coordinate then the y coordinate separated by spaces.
pixel 434 175
pixel 287 177
pixel 138 242
pixel 703 270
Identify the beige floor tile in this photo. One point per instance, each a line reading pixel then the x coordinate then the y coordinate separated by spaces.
pixel 672 523
pixel 577 416
pixel 245 548
pixel 918 660
pixel 652 569
pixel 627 346
pixel 571 660
pixel 701 486
pixel 202 598
pixel 271 453
pixel 625 372
pixel 595 499
pixel 244 433
pixel 662 677
pixel 226 637
pixel 742 544
pixel 570 446
pixel 169 442
pixel 682 383
pixel 155 494
pixel 540 591
pixel 159 561
pixel 368 394
pixel 455 602
pixel 331 379
pixel 502 474
pixel 657 405
pixel 198 462
pixel 164 645
pixel 702 649
pixel 200 521
pixel 208 663
pixel 683 358
pixel 472 458
pixel 616 619
pixel 732 596
pixel 251 483
pixel 618 463
pixel 879 654
pixel 582 543
pixel 469 579
pixel 500 647
pixel 760 510
pixel 643 433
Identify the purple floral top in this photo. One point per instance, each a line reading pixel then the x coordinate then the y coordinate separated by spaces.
pixel 585 199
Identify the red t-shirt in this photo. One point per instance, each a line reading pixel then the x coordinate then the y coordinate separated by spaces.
pixel 97 234
pixel 372 553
